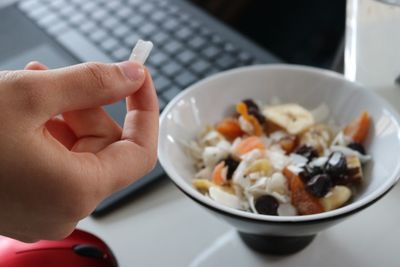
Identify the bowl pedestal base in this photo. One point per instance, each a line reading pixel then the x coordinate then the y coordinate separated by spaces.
pixel 276 245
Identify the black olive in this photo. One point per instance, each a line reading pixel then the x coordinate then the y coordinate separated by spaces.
pixel 357 147
pixel 307 151
pixel 232 165
pixel 343 179
pixel 267 205
pixel 256 113
pixel 336 164
pixel 309 172
pixel 319 185
pixel 251 104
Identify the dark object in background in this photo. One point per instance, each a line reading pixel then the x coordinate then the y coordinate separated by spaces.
pixel 300 32
pixel 226 10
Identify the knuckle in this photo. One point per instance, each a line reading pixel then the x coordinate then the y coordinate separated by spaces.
pixel 30 94
pixel 101 76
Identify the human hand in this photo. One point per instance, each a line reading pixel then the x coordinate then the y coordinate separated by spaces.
pixel 61 153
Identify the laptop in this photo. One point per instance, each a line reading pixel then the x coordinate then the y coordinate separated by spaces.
pixel 189 45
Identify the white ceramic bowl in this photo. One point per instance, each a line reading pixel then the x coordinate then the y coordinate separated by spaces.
pixel 208 101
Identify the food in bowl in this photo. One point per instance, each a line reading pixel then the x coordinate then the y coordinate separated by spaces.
pixel 280 160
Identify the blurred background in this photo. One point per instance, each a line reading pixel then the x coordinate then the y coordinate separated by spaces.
pixel 301 32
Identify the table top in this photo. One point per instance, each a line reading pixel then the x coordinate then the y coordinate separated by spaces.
pixel 165 228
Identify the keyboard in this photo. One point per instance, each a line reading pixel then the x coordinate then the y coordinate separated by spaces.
pixel 188 46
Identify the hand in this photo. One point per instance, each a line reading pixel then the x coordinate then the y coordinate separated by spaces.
pixel 60 152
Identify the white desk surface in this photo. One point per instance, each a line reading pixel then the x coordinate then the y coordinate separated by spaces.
pixel 164 228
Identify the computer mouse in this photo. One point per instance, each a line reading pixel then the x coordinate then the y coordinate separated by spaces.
pixel 80 249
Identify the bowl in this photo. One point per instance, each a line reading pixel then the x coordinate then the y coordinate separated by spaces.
pixel 209 100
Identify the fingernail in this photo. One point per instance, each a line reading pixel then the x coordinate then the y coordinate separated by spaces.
pixel 132 70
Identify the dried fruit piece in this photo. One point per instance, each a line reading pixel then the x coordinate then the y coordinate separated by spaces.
pixel 304 202
pixel 267 205
pixel 229 128
pixel 248 144
pixel 253 109
pixel 357 147
pixel 202 185
pixel 357 130
pixel 288 174
pixel 292 117
pixel 319 185
pixel 288 143
pixel 217 175
pixel 307 151
pixel 271 127
pixel 336 198
pixel 318 136
pixel 241 108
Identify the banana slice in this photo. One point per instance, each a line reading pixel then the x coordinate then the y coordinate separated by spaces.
pixel 292 117
pixel 202 185
pixel 336 197
pixel 262 166
pixel 354 168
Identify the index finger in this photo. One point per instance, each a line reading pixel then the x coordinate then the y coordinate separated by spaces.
pixel 135 154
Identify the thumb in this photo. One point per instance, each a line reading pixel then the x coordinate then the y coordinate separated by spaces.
pixel 82 86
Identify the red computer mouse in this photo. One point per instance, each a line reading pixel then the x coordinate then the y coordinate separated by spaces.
pixel 80 249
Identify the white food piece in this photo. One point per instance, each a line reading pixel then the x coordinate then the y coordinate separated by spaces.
pixel 286 209
pixel 250 199
pixel 239 174
pixel 277 183
pixel 336 197
pixel 280 197
pixel 252 155
pixel 277 136
pixel 318 136
pixel 225 198
pixel 295 169
pixel 246 126
pixel 213 154
pixel 318 162
pixel 294 118
pixel 258 188
pixel 235 143
pixel 141 51
pixel 224 145
pixel 297 159
pixel 340 140
pixel 277 157
pixel 211 138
